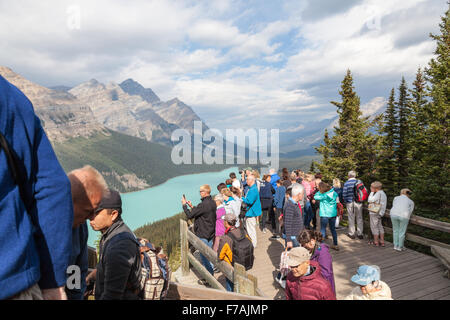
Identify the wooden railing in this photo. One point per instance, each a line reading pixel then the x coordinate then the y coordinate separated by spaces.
pixel 244 283
pixel 423 222
pixel 439 249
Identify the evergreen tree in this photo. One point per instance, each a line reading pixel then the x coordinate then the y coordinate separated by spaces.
pixel 352 146
pixel 431 183
pixel 386 167
pixel 402 150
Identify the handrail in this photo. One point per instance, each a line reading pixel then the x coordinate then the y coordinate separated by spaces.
pixel 244 283
pixel 426 222
pixel 423 222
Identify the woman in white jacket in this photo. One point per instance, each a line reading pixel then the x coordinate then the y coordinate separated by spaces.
pixel 377 206
pixel 401 211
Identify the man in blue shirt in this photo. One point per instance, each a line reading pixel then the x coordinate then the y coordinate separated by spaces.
pixel 36 213
pixel 254 204
pixel 354 209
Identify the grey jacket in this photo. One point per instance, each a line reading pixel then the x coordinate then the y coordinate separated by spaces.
pixel 119 266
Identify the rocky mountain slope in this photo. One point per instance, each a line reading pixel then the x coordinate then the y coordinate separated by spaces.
pixel 62 114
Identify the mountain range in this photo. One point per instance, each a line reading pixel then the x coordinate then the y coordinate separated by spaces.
pixel 92 116
pixel 115 118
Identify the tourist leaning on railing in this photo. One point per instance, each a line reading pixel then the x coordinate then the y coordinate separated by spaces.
pixel 402 208
pixel 36 209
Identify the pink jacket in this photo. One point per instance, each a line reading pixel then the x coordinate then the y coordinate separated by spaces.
pixel 220 228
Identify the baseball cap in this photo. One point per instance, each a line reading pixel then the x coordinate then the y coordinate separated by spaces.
pixel 297 256
pixel 366 275
pixel 110 200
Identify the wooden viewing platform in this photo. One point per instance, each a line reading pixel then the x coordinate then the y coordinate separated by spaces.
pixel 410 275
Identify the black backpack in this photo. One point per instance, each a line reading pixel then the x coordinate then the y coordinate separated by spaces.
pixel 242 250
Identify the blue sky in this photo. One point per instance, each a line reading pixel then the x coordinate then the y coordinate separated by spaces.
pixel 236 63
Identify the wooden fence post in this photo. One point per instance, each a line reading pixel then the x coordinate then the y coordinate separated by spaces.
pixel 184 248
pixel 243 283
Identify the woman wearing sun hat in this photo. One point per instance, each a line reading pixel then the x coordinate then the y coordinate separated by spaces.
pixel 370 287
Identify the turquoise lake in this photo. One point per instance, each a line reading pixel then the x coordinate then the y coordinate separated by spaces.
pixel 163 201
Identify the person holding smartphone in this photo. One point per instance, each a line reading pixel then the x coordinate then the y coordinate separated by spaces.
pixel 204 216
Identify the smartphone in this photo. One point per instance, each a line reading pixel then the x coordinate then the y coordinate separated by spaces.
pixel 184 196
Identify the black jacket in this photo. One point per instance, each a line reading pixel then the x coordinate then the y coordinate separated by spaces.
pixel 205 218
pixel 119 265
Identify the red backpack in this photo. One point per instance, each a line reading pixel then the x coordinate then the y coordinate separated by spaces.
pixel 360 192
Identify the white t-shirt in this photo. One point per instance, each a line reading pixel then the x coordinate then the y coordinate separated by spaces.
pixel 236 184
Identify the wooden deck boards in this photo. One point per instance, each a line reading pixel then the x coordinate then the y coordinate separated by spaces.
pixel 411 275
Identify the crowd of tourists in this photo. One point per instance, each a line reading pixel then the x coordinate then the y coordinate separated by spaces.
pixel 45 213
pixel 300 208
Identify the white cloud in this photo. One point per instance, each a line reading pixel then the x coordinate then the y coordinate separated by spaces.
pixel 219 56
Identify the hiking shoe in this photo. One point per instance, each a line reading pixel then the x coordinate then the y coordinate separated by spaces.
pixel 360 237
pixel 350 236
pixel 264 230
pixel 216 270
pixel 275 237
pixel 335 247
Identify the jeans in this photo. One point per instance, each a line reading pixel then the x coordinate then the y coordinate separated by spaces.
pixel 399 226
pixel 208 265
pixel 275 222
pixel 263 218
pixel 295 243
pixel 308 215
pixel 332 223
pixel 230 285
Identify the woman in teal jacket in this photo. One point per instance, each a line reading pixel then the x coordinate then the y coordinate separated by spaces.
pixel 328 210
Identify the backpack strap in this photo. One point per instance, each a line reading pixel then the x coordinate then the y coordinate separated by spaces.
pixel 16 173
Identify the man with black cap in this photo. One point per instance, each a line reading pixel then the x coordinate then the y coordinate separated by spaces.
pixel 119 266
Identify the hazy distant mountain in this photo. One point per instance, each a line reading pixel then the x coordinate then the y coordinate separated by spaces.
pixel 299 139
pixel 61 88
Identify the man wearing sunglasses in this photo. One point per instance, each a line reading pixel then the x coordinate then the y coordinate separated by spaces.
pixel 118 275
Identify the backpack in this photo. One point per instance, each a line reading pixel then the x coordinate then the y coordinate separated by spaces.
pixel 242 250
pixel 360 192
pixel 155 271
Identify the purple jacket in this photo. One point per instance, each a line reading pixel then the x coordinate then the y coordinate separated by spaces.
pixel 220 228
pixel 323 257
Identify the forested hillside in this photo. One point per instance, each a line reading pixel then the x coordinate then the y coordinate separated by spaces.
pixel 127 163
pixel 165 233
